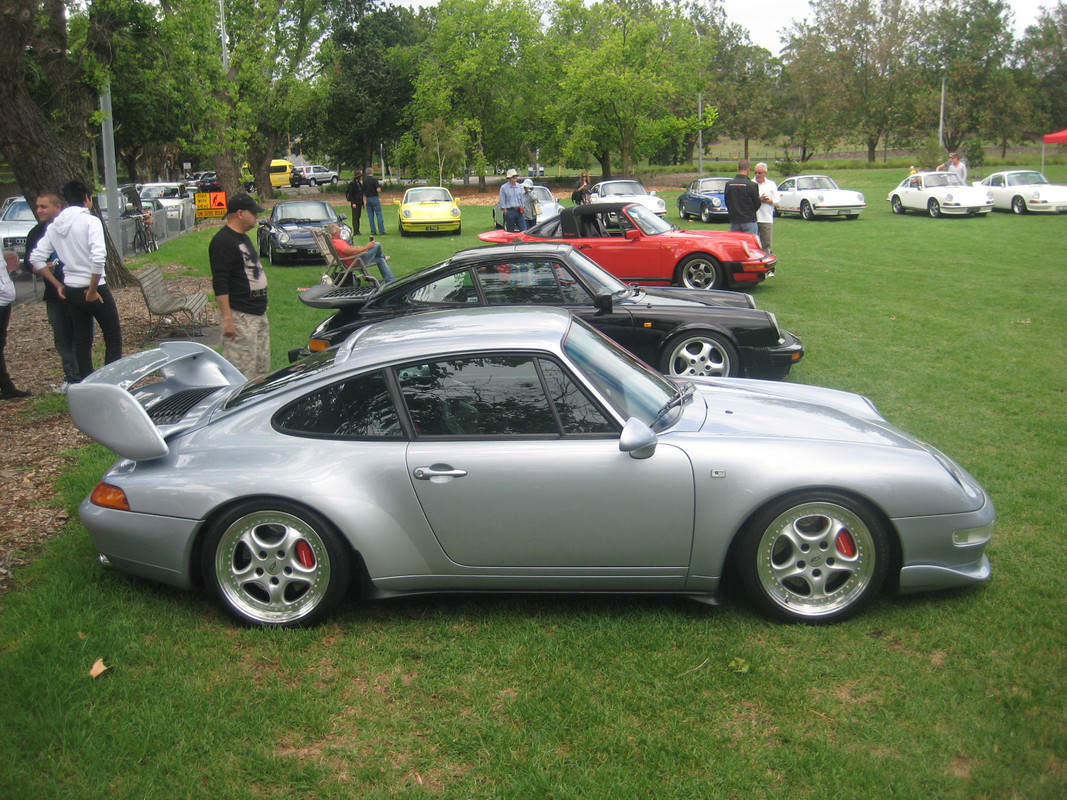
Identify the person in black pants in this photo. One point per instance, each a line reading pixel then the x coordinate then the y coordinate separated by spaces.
pixel 77 237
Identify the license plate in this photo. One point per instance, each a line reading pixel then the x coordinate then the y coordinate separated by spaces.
pixel 433 227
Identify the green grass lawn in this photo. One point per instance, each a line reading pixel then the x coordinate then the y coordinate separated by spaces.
pixel 955 329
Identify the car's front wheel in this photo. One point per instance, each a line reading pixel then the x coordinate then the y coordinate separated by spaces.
pixel 700 355
pixel 275 564
pixel 700 271
pixel 815 557
pixel 271 255
pixel 1018 205
pixel 682 212
pixel 898 207
pixel 313 183
pixel 806 211
pixel 333 180
pixel 705 214
pixel 933 208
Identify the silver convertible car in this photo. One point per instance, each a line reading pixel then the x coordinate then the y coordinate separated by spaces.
pixel 511 450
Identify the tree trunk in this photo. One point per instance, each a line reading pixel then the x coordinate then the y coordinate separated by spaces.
pixel 605 164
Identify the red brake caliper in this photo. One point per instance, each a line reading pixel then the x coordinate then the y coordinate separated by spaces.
pixel 845 544
pixel 304 554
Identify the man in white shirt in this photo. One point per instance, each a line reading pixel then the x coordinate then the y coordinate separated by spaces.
pixel 8 390
pixel 768 195
pixel 77 237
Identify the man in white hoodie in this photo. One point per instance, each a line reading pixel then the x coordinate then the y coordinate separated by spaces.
pixel 77 237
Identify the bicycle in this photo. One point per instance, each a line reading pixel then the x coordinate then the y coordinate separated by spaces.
pixel 144 240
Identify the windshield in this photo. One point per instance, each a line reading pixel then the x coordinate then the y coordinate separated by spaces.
pixel 713 185
pixel 19 211
pixel 543 194
pixel 649 223
pixel 631 387
pixel 596 277
pixel 427 196
pixel 943 179
pixel 621 187
pixel 817 182
pixel 1026 178
pixel 304 212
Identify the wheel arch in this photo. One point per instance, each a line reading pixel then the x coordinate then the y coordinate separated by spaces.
pixel 677 273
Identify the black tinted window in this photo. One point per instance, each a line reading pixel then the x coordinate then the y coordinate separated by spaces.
pixel 358 408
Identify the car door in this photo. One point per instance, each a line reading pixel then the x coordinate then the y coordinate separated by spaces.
pixel 787 196
pixel 518 471
pixel 1001 192
pixel 912 194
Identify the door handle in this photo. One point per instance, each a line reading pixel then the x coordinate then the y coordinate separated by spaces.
pixel 437 471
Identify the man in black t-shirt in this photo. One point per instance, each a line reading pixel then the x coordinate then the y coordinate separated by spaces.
pixel 240 286
pixel 742 200
pixel 374 203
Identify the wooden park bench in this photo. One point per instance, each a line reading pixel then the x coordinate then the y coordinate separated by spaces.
pixel 168 307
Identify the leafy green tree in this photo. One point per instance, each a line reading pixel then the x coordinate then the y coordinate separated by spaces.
pixel 1043 53
pixel 442 149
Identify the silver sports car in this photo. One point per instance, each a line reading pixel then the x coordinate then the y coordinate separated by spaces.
pixel 510 449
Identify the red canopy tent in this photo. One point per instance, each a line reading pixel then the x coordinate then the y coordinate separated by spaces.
pixel 1052 138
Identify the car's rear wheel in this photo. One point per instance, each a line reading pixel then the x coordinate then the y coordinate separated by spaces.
pixel 898 207
pixel 852 216
pixel 275 564
pixel 700 355
pixel 933 208
pixel 333 179
pixel 1018 205
pixel 681 211
pixel 816 557
pixel 313 182
pixel 806 211
pixel 705 214
pixel 700 271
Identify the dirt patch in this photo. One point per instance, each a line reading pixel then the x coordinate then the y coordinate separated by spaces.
pixel 36 447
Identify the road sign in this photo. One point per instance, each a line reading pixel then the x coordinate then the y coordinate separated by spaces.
pixel 210 204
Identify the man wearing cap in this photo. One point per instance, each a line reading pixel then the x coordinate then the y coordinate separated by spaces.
pixel 511 195
pixel 240 286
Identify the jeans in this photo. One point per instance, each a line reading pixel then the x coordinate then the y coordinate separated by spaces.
pixel 106 315
pixel 375 256
pixel 63 338
pixel 514 220
pixel 745 227
pixel 374 212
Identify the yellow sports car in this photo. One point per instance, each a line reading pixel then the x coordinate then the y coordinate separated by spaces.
pixel 429 208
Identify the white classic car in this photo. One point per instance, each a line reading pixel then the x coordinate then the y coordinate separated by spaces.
pixel 938 194
pixel 1025 190
pixel 812 196
pixel 627 192
pixel 550 206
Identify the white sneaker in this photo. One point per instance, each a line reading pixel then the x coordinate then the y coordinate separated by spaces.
pixel 62 388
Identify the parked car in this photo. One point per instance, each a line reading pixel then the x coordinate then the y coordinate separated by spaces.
pixel 511 450
pixel 679 331
pixel 1024 191
pixel 704 198
pixel 550 206
pixel 313 175
pixel 208 182
pixel 17 220
pixel 638 246
pixel 171 194
pixel 428 209
pixel 811 196
pixel 285 236
pixel 625 191
pixel 940 194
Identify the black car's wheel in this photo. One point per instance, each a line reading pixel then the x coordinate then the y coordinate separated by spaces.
pixel 806 211
pixel 933 208
pixel 1018 205
pixel 702 354
pixel 705 214
pixel 262 249
pixel 700 271
pixel 852 216
pixel 681 211
pixel 816 557
pixel 272 257
pixel 898 207
pixel 275 564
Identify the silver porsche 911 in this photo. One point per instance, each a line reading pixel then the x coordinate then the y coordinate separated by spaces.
pixel 508 449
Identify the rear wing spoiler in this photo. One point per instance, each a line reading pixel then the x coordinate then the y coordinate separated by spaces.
pixel 103 408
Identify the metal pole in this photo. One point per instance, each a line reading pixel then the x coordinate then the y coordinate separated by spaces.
pixel 111 186
pixel 222 36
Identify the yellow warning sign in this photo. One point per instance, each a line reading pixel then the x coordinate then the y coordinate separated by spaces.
pixel 210 204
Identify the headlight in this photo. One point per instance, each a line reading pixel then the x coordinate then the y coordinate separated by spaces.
pixel 716 202
pixel 859 197
pixel 406 213
pixel 661 204
pixel 972 536
pixel 954 470
pixel 948 197
pixel 989 197
pixel 346 235
pixel 283 237
pixel 454 211
pixel 819 198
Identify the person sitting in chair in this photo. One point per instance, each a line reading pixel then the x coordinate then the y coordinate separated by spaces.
pixel 371 253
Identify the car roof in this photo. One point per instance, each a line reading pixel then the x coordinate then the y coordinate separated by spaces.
pixel 440 333
pixel 511 250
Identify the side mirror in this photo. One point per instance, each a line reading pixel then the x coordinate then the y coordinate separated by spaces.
pixel 632 234
pixel 652 193
pixel 602 302
pixel 637 439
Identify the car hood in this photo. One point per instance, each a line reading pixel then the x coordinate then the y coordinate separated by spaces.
pixel 678 296
pixel 298 231
pixel 772 410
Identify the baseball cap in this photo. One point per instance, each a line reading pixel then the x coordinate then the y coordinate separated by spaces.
pixel 242 202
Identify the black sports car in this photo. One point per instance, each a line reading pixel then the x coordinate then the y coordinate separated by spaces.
pixel 285 236
pixel 679 331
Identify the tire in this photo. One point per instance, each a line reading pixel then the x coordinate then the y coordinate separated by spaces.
pixel 500 225
pixel 700 354
pixel 897 206
pixel 262 249
pixel 1018 205
pixel 682 212
pixel 402 231
pixel 313 183
pixel 333 180
pixel 933 208
pixel 705 214
pixel 275 564
pixel 272 257
pixel 806 211
pixel 815 557
pixel 700 271
pixel 459 230
pixel 852 216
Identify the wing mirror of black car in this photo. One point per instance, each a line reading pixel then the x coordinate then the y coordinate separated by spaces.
pixel 603 303
pixel 637 439
pixel 633 234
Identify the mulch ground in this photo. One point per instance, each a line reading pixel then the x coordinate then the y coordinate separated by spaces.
pixel 35 449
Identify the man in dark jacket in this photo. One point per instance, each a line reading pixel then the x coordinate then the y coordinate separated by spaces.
pixel 742 200
pixel 354 195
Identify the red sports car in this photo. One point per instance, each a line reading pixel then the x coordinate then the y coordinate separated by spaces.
pixel 633 244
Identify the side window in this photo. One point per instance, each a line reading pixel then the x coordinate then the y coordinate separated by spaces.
pixel 787 186
pixel 573 292
pixel 520 282
pixel 451 289
pixel 358 408
pixel 497 396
